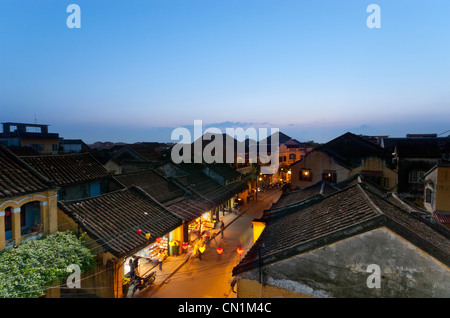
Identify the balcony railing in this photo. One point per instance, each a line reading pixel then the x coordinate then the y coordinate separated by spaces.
pixel 25 237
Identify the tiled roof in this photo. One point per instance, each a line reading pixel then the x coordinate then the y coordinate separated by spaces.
pixel 168 192
pixel 23 151
pixel 112 219
pixel 413 147
pixel 341 215
pixel 18 178
pixel 153 183
pixel 190 208
pixel 348 150
pixel 224 170
pixel 208 188
pixel 323 188
pixel 68 169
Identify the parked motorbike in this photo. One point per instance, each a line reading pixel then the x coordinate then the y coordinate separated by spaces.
pixel 141 283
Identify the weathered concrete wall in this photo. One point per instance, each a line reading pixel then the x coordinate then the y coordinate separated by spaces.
pixel 340 270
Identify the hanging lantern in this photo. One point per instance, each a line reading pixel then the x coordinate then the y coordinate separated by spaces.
pixel 139 231
pixel 148 236
pixel 159 239
pixel 185 246
pixel 201 248
pixel 240 250
pixel 219 250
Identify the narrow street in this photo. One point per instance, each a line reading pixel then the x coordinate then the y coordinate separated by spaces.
pixel 210 276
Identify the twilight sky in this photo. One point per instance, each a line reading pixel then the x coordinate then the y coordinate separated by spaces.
pixel 137 69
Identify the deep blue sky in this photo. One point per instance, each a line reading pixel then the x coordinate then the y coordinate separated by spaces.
pixel 139 68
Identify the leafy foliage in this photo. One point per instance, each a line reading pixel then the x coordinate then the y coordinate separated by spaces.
pixel 29 269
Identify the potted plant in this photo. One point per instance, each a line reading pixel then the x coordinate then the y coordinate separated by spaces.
pixel 37 226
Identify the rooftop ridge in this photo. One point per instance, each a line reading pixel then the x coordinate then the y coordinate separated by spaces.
pixel 28 167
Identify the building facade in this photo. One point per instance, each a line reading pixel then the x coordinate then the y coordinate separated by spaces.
pixel 27 202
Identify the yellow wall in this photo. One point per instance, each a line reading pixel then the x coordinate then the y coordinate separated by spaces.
pixel 49 213
pixel 285 152
pixel 258 228
pixel 376 164
pixel 48 144
pixel 244 195
pixel 443 189
pixel 317 162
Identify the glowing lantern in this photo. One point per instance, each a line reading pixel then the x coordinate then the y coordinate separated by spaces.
pixel 148 236
pixel 201 248
pixel 159 239
pixel 219 250
pixel 185 246
pixel 240 250
pixel 139 231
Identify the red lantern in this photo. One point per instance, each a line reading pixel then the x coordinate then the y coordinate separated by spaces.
pixel 139 231
pixel 159 239
pixel 219 250
pixel 240 250
pixel 185 246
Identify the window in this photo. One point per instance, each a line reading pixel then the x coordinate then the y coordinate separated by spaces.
pixel 329 176
pixel 54 147
pixel 292 156
pixel 429 196
pixel 305 175
pixel 8 219
pixel 416 176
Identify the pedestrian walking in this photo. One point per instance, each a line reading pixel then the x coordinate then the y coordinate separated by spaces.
pixel 213 237
pixel 222 227
pixel 136 265
pixel 132 269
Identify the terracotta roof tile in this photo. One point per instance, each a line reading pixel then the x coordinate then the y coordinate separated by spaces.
pixel 112 219
pixel 68 169
pixel 172 195
pixel 354 210
pixel 18 178
pixel 153 183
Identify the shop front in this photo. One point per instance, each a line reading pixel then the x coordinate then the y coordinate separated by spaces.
pixel 200 225
pixel 149 257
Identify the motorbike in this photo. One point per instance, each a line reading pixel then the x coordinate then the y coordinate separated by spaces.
pixel 141 283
